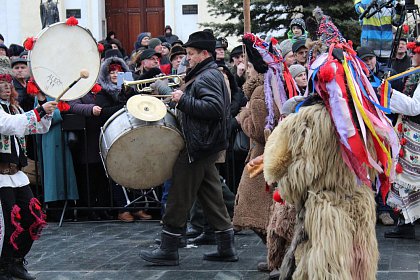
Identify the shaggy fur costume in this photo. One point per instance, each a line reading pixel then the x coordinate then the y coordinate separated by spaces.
pixel 253 201
pixel 337 240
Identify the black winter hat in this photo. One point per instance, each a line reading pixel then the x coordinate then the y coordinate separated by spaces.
pixel 235 51
pixel 3 46
pixel 297 45
pixel 363 52
pixel 201 40
pixel 254 57
pixel 148 53
pixel 112 53
pixel 176 50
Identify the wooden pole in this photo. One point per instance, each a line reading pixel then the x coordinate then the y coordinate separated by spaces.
pixel 247 16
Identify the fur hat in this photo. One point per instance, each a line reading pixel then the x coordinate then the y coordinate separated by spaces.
pixel 202 40
pixel 285 47
pixel 254 57
pixel 5 67
pixel 296 69
pixel 176 50
pixel 235 51
pixel 153 43
pixel 299 22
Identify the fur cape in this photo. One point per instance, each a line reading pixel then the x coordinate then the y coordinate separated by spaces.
pixel 336 237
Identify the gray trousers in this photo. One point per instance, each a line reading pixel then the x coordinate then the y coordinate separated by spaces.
pixel 190 181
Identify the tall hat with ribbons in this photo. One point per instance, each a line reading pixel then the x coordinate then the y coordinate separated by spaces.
pixel 340 80
pixel 268 63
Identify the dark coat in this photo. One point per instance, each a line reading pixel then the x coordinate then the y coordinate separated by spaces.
pixel 204 111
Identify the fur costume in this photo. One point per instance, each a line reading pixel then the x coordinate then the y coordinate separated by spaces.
pixel 303 156
pixel 324 159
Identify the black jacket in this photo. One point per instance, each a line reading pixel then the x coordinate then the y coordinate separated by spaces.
pixel 204 111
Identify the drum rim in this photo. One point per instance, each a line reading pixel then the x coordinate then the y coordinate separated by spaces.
pixel 29 60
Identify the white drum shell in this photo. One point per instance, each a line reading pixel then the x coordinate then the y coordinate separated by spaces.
pixel 139 154
pixel 58 55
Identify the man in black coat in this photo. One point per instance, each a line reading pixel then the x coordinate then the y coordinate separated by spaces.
pixel 203 111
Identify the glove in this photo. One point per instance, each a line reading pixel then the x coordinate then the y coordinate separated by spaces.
pixel 161 86
pixel 290 105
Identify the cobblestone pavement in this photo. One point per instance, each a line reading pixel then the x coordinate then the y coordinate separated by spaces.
pixel 110 250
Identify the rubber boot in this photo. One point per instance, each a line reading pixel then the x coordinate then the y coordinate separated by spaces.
pixel 17 269
pixel 205 238
pixel 167 253
pixel 182 243
pixel 4 270
pixel 226 251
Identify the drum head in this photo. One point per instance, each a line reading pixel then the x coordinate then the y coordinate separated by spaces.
pixel 59 54
pixel 146 108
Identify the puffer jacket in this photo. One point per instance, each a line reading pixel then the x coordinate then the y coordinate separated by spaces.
pixel 204 111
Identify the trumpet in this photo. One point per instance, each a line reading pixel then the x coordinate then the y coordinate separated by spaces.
pixel 144 85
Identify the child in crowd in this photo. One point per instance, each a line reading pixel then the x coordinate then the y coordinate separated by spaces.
pixel 297 30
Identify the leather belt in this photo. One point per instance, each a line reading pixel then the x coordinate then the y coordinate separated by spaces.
pixel 9 168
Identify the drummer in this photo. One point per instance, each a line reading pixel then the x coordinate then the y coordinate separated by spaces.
pixel 20 211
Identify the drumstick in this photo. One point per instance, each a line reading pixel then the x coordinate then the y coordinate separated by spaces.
pixel 84 74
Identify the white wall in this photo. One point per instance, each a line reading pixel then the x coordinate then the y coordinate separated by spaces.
pixel 21 18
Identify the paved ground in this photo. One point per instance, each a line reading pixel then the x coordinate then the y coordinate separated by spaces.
pixel 109 250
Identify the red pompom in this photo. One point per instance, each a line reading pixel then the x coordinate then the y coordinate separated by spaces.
pixel 403 141
pixel 31 87
pixel 398 168
pixel 72 21
pixel 326 73
pixel 63 106
pixel 400 127
pixel 350 42
pixel 101 48
pixel 401 153
pixel 406 28
pixel 277 197
pixel 29 43
pixel 96 88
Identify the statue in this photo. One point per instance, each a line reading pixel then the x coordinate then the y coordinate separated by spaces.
pixel 49 13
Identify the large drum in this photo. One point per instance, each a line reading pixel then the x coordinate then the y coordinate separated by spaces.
pixel 59 54
pixel 139 154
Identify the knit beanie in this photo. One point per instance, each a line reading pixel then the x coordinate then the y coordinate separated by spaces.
pixel 296 69
pixel 154 42
pixel 298 22
pixel 285 47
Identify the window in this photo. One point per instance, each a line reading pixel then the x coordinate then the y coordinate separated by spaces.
pixel 189 9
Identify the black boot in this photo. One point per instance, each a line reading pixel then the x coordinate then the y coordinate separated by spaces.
pixel 182 243
pixel 205 238
pixel 17 269
pixel 4 270
pixel 226 251
pixel 167 253
pixel 406 231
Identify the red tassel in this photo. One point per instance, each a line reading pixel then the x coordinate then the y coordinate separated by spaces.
pixel 274 41
pixel 406 28
pixel 31 87
pixel 96 88
pixel 398 168
pixel 29 43
pixel 350 42
pixel 401 153
pixel 403 141
pixel 101 48
pixel 72 21
pixel 326 73
pixel 63 106
pixel 400 127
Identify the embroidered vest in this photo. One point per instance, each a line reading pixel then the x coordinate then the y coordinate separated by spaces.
pixel 8 149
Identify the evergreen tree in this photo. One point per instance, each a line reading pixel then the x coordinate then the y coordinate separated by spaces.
pixel 268 16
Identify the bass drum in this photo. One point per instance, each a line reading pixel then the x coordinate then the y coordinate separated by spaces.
pixel 59 54
pixel 138 154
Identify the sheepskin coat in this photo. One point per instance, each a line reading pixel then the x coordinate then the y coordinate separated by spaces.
pixel 253 200
pixel 303 156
